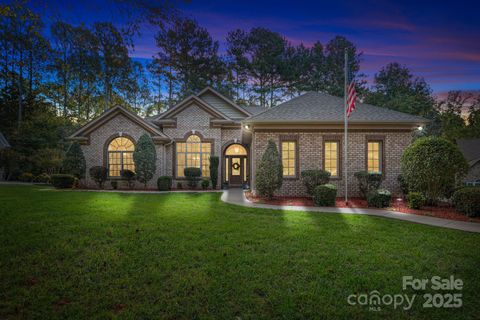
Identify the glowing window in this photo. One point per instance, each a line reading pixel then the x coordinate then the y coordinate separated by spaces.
pixel 331 157
pixel 193 153
pixel 236 150
pixel 120 156
pixel 374 156
pixel 289 158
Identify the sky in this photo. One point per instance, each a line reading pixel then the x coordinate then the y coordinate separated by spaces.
pixel 438 40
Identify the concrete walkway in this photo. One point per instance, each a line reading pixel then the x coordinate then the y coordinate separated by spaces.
pixel 237 197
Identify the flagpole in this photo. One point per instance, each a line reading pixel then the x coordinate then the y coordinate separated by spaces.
pixel 345 145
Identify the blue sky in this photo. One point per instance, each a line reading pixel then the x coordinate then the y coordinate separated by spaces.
pixel 439 40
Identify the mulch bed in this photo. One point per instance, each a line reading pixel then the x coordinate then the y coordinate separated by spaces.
pixel 443 210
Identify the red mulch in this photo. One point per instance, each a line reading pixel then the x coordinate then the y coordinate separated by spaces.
pixel 444 211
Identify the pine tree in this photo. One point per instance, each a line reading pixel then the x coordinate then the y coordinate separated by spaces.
pixel 74 162
pixel 145 158
pixel 269 174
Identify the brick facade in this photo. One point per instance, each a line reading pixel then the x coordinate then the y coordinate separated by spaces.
pixel 196 119
pixel 95 154
pixel 310 155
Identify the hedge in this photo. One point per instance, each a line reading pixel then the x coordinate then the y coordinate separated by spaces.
pixel 379 198
pixel 314 178
pixel 63 181
pixel 467 201
pixel 205 184
pixel 164 183
pixel 192 174
pixel 99 174
pixel 368 182
pixel 325 195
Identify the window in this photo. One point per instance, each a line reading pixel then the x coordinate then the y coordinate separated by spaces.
pixel 374 156
pixel 193 153
pixel 236 150
pixel 120 156
pixel 289 158
pixel 331 157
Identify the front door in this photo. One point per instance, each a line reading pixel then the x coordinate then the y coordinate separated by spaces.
pixel 236 171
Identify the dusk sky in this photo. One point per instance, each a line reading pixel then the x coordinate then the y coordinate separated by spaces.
pixel 439 40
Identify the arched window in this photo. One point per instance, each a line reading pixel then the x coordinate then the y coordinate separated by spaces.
pixel 193 153
pixel 120 156
pixel 235 150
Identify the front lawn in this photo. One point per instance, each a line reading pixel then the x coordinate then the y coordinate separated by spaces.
pixel 186 255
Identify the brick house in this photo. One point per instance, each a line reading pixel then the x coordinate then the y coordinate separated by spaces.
pixel 308 131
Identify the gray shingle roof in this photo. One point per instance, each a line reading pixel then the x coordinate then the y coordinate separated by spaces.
pixel 253 109
pixel 470 149
pixel 321 107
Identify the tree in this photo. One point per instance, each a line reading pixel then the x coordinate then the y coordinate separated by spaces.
pixel 190 55
pixel 334 70
pixel 260 52
pixel 269 174
pixel 396 88
pixel 214 171
pixel 433 166
pixel 145 158
pixel 74 161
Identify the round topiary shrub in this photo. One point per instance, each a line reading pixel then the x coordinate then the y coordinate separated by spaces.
pixel 63 181
pixel 164 183
pixel 415 200
pixel 325 195
pixel 314 178
pixel 205 184
pixel 433 166
pixel 379 198
pixel 99 174
pixel 368 182
pixel 193 175
pixel 467 201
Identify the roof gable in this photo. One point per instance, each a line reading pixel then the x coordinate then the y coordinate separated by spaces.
pixel 83 132
pixel 316 107
pixel 187 102
pixel 223 104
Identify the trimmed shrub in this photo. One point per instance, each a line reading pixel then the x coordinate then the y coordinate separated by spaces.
pixel 379 198
pixel 269 173
pixel 325 195
pixel 164 183
pixel 42 178
pixel 74 161
pixel 179 186
pixel 63 181
pixel 114 184
pixel 129 176
pixel 368 182
pixel 99 174
pixel 433 166
pixel 467 201
pixel 205 184
pixel 214 171
pixel 403 184
pixel 415 200
pixel 193 175
pixel 314 178
pixel 26 177
pixel 145 157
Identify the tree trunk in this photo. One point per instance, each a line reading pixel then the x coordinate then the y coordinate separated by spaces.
pixel 20 90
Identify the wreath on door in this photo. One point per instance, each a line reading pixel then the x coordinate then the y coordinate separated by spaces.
pixel 236 166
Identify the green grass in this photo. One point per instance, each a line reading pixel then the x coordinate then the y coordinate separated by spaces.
pixel 187 255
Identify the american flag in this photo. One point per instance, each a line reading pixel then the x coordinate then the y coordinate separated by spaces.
pixel 351 97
